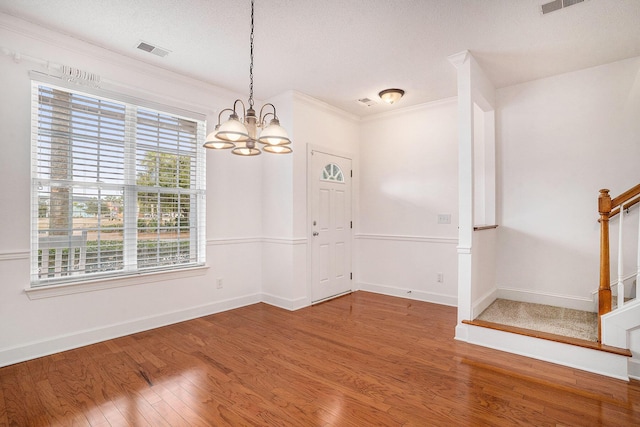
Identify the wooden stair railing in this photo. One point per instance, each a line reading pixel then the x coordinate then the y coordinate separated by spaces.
pixel 608 208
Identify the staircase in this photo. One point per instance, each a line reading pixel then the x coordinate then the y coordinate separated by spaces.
pixel 582 353
pixel 611 354
pixel 616 319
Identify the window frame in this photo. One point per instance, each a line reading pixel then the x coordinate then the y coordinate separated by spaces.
pixel 197 234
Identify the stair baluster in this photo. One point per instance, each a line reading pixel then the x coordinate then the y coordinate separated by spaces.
pixel 620 283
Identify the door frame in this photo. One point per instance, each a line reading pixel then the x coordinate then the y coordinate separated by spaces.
pixel 310 149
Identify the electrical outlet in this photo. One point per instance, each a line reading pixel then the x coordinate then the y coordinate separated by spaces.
pixel 219 283
pixel 444 218
pixel 440 277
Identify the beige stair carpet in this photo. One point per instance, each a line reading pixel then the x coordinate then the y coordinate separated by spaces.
pixel 538 317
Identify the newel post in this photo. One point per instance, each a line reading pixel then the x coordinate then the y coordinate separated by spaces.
pixel 604 291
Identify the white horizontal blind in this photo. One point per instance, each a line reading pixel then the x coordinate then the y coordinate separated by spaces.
pixel 117 188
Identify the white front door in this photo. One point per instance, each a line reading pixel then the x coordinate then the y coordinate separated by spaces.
pixel 330 225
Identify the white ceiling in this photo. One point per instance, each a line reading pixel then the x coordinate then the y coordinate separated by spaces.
pixel 341 50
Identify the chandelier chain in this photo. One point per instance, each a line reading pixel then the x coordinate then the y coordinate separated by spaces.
pixel 241 134
pixel 251 63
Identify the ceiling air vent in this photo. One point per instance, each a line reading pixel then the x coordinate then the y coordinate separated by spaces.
pixel 367 102
pixel 153 49
pixel 557 5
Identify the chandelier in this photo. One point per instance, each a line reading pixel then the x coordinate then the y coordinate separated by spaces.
pixel 242 134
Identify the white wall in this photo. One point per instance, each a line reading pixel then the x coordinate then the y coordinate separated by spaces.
pixel 277 215
pixel 30 328
pixel 319 126
pixel 286 257
pixel 408 175
pixel 483 270
pixel 560 140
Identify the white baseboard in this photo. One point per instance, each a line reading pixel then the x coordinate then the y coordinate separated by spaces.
pixel 536 297
pixel 37 349
pixel 599 362
pixel 481 304
pixel 462 333
pixel 409 293
pixel 285 303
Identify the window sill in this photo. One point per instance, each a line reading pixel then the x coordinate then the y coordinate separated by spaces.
pixel 115 282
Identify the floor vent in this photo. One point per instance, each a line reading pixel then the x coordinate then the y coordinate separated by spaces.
pixel 153 49
pixel 557 5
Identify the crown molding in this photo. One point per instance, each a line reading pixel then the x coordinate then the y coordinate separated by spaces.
pixel 410 109
pixel 457 59
pixel 299 96
pixel 49 37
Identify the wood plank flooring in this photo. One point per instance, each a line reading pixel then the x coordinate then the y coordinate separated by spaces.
pixel 359 360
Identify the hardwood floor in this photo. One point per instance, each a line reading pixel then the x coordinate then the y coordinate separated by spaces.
pixel 359 360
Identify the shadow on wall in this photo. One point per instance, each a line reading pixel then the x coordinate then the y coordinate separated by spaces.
pixel 527 262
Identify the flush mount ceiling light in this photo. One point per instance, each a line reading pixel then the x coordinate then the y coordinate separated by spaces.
pixel 391 96
pixel 242 134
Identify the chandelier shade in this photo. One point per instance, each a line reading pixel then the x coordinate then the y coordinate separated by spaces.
pixel 215 143
pixel 274 134
pixel 233 130
pixel 277 149
pixel 242 134
pixel 245 151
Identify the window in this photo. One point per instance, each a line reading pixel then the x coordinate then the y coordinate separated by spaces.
pixel 332 172
pixel 117 188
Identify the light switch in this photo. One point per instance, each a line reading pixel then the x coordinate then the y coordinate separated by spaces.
pixel 444 218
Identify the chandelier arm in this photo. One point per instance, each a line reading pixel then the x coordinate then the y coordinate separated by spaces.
pixel 244 110
pixel 263 117
pixel 222 111
pixel 263 120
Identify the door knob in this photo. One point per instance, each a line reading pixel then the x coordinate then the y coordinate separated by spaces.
pixel 315 233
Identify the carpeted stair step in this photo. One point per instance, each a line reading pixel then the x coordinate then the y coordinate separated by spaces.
pixel 544 318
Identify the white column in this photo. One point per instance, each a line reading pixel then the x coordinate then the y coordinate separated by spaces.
pixel 465 184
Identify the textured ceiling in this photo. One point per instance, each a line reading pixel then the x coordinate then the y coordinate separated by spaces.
pixel 341 50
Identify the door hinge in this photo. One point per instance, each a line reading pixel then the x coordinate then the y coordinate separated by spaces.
pixel 351 276
pixel 351 224
pixel 351 173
